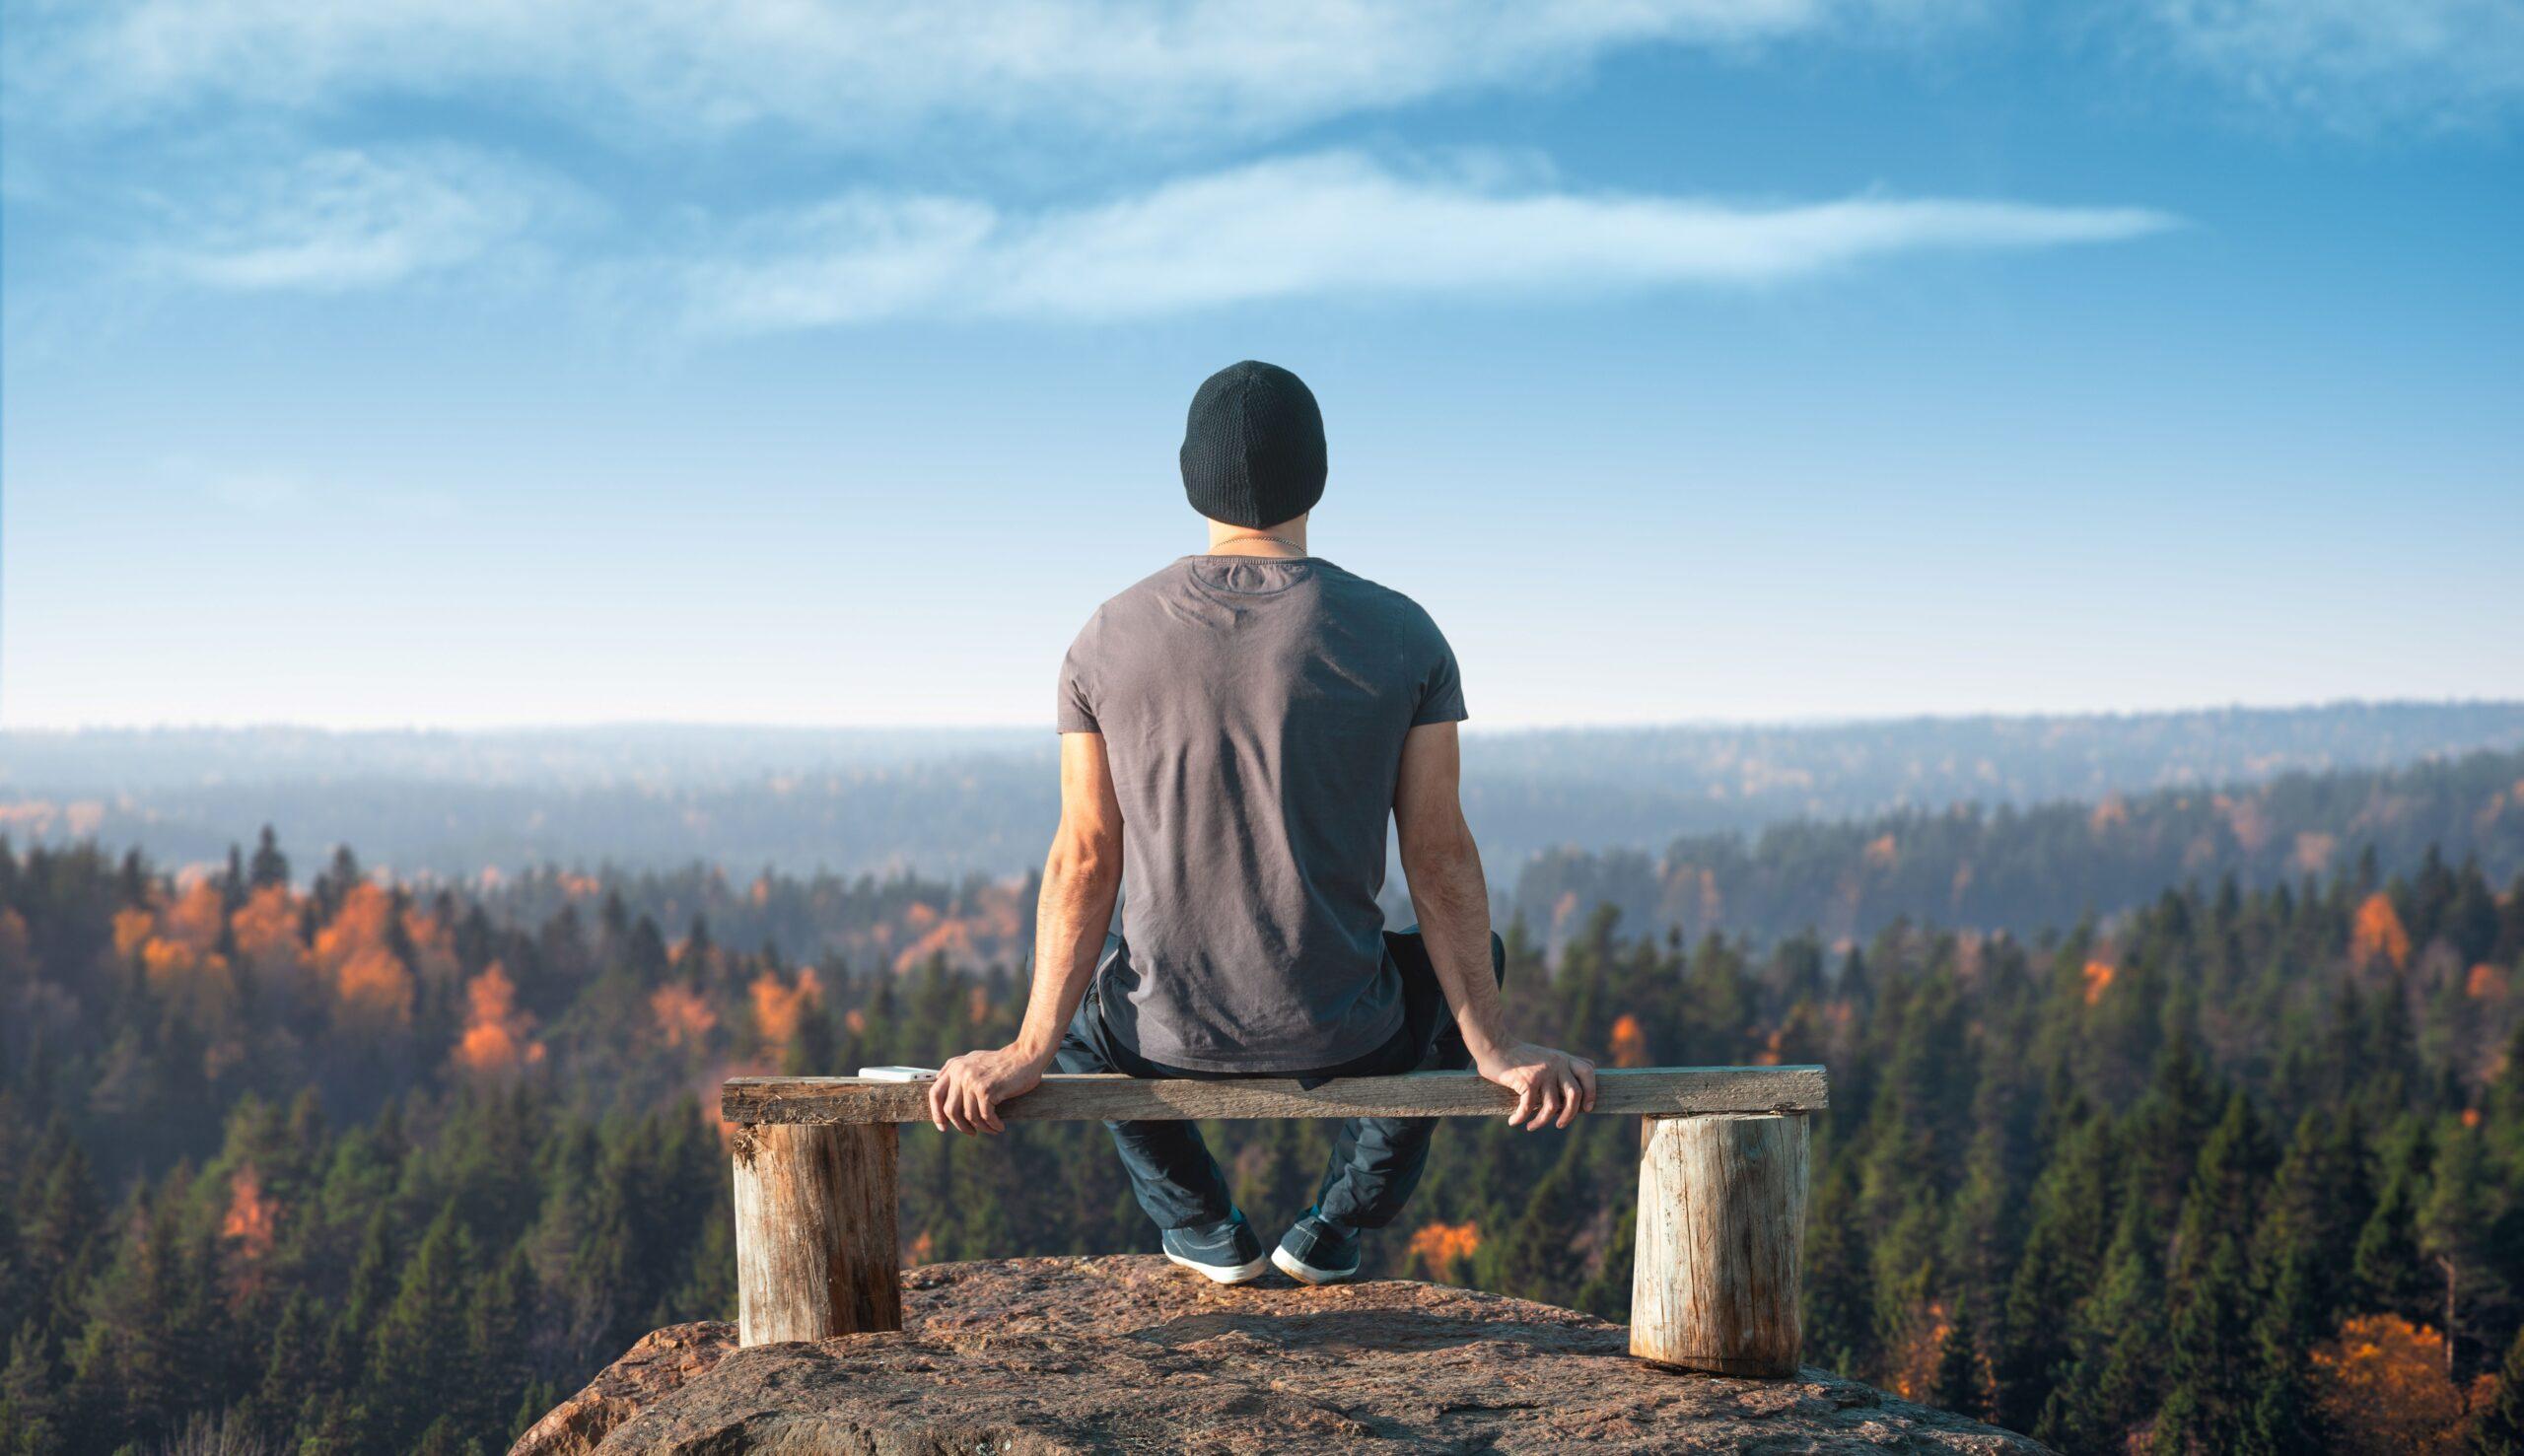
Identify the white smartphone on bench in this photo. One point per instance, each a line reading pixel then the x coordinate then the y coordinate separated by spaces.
pixel 898 1073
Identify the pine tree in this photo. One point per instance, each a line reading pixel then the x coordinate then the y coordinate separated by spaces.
pixel 30 1412
pixel 2388 1274
pixel 146 1350
pixel 2499 1429
pixel 1538 1258
pixel 815 1051
pixel 417 1365
pixel 2063 1260
pixel 1839 1333
pixel 269 865
pixel 2320 1199
pixel 2452 1225
pixel 2226 1191
pixel 293 1366
pixel 2296 1311
pixel 2210 1397
pixel 541 1395
pixel 1959 1386
pixel 2114 1374
pixel 499 1324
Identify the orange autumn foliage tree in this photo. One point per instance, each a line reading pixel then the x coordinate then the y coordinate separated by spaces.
pixel 2381 1385
pixel 251 1227
pixel 1440 1247
pixel 1914 1343
pixel 174 943
pixel 498 1037
pixel 682 1016
pixel 196 917
pixel 778 1006
pixel 1629 1042
pixel 265 929
pixel 356 956
pixel 2378 934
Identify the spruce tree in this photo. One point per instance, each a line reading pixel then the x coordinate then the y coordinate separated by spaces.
pixel 2387 1271
pixel 2210 1396
pixel 1538 1258
pixel 30 1411
pixel 2317 1202
pixel 2114 1375
pixel 1959 1386
pixel 2499 1429
pixel 418 1367
pixel 2452 1225
pixel 269 865
pixel 2063 1260
pixel 2295 1312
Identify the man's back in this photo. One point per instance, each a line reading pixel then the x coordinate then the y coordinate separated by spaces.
pixel 1235 730
pixel 1254 710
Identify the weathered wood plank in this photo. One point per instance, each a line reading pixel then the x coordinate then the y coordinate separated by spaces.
pixel 816 1251
pixel 1716 1269
pixel 1651 1091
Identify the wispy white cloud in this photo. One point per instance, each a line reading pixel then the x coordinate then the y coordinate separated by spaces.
pixel 337 220
pixel 2357 63
pixel 858 73
pixel 1325 223
pixel 857 70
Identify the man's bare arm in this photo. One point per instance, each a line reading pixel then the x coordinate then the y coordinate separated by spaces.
pixel 1080 876
pixel 1453 899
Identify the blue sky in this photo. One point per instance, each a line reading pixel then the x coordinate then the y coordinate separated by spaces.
pixel 463 362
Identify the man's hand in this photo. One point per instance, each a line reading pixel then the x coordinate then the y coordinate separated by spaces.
pixel 1551 1088
pixel 968 1089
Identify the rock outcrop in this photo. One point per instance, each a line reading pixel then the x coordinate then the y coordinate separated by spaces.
pixel 1128 1354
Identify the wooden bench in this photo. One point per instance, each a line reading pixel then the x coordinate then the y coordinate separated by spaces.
pixel 1721 1190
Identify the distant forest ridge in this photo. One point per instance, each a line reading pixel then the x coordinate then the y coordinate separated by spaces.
pixel 954 802
pixel 2020 870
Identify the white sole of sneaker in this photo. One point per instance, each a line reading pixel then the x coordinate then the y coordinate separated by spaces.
pixel 1225 1274
pixel 1306 1274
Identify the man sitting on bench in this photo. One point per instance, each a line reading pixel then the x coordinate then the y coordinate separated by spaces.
pixel 1233 731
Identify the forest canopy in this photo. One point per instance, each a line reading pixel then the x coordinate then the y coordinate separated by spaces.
pixel 332 1162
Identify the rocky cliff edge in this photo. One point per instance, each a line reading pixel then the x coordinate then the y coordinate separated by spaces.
pixel 1015 1356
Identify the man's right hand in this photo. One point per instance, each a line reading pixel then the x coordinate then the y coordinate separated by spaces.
pixel 1552 1088
pixel 969 1088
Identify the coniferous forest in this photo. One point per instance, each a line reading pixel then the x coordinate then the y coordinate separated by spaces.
pixel 325 1162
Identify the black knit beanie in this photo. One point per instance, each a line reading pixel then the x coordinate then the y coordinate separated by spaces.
pixel 1253 446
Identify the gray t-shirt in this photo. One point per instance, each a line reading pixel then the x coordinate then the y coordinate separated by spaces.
pixel 1253 710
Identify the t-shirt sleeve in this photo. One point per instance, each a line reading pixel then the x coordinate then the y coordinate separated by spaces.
pixel 1074 708
pixel 1442 692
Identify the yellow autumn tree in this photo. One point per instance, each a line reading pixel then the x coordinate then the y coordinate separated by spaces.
pixel 1440 1247
pixel 2381 1384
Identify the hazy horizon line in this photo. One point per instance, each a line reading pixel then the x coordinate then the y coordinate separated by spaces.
pixel 1473 726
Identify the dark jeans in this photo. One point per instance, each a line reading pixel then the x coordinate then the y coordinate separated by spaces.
pixel 1375 1162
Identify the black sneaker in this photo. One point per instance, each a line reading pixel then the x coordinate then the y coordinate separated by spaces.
pixel 1318 1250
pixel 1228 1252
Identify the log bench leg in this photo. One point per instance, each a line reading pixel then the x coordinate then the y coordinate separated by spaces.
pixel 815 1239
pixel 1721 1248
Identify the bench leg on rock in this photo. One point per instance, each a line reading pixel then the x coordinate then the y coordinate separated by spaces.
pixel 815 1237
pixel 1716 1282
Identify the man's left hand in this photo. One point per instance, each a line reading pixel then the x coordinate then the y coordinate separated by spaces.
pixel 969 1088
